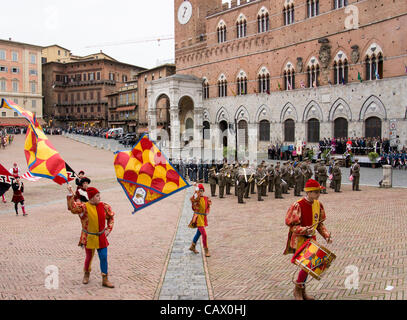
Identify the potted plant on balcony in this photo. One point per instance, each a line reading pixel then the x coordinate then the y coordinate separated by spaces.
pixel 372 157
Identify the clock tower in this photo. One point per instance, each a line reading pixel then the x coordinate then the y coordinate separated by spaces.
pixel 190 18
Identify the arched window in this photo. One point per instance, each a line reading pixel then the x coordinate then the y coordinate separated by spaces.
pixel 264 80
pixel 288 12
pixel 221 31
pixel 340 128
pixel 339 3
pixel 340 68
pixel 205 89
pixel 289 130
pixel 313 73
pixel 222 86
pixel 242 83
pixel 289 77
pixel 189 124
pixel 313 130
pixel 373 127
pixel 263 23
pixel 206 130
pixel 241 27
pixel 264 128
pixel 374 67
pixel 312 8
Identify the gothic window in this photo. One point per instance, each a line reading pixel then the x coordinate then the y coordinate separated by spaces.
pixel 242 83
pixel 222 86
pixel 241 27
pixel 289 130
pixel 313 130
pixel 313 73
pixel 374 66
pixel 221 31
pixel 340 3
pixel 340 69
pixel 312 8
pixel 288 13
pixel 264 128
pixel 289 77
pixel 263 21
pixel 205 89
pixel 264 81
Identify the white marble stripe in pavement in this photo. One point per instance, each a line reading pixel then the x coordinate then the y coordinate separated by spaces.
pixel 185 275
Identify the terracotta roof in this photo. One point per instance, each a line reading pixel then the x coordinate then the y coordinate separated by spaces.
pixel 125 108
pixel 17 122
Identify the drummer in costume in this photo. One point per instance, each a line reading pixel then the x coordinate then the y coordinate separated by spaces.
pixel 304 217
pixel 200 206
pixel 97 220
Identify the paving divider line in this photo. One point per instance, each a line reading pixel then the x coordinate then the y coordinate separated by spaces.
pixel 185 277
pixel 167 259
pixel 207 277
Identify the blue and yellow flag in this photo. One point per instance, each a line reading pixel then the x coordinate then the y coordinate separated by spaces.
pixel 145 174
pixel 42 158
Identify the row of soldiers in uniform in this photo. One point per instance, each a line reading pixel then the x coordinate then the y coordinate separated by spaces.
pixel 269 178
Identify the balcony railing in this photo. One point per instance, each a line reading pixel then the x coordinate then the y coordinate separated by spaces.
pixel 63 84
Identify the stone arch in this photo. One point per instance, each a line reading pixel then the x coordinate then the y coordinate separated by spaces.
pixel 206 116
pixel 186 95
pixel 222 114
pixel 373 107
pixel 312 110
pixel 288 112
pixel 263 113
pixel 335 111
pixel 242 114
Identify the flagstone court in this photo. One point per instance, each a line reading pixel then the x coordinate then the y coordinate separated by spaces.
pixel 147 249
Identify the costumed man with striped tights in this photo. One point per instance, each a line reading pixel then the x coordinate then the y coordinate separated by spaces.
pixel 200 206
pixel 304 217
pixel 97 220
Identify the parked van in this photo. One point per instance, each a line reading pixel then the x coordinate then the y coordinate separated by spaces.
pixel 112 133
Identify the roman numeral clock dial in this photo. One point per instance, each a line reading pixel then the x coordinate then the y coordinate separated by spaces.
pixel 184 12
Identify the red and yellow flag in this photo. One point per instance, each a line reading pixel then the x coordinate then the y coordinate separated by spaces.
pixel 145 175
pixel 42 158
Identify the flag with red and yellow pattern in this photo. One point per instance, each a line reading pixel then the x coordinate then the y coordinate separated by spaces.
pixel 145 175
pixel 42 158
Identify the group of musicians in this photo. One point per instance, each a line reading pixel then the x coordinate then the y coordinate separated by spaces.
pixel 249 179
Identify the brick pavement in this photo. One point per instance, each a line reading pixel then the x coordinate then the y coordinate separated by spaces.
pixel 246 241
pixel 139 244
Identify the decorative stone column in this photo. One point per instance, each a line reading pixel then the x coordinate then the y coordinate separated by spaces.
pixel 152 120
pixel 175 143
pixel 252 143
pixel 198 127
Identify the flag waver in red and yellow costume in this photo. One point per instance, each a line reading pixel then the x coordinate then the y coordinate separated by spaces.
pixel 97 219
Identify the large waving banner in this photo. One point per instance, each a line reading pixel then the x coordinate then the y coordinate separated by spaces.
pixel 145 175
pixel 42 158
pixel 6 179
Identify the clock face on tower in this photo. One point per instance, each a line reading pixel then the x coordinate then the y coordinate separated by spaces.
pixel 184 12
